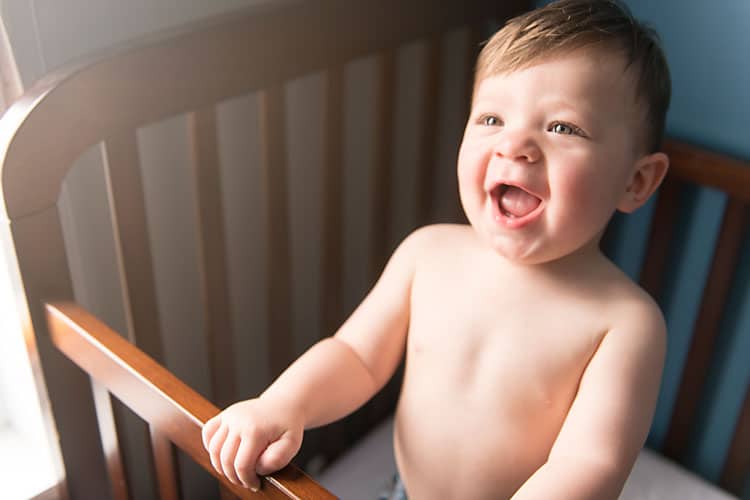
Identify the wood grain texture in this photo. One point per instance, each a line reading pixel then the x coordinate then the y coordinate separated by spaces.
pixel 170 407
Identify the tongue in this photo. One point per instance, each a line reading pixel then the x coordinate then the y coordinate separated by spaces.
pixel 517 202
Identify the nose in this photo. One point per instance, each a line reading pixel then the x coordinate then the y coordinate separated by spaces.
pixel 517 145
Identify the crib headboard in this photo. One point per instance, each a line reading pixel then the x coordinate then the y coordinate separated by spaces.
pixel 103 118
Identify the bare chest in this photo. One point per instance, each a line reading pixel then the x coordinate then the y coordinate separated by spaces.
pixel 505 342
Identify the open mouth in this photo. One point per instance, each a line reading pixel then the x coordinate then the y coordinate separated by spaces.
pixel 514 202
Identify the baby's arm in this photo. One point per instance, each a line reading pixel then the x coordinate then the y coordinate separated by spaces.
pixel 610 417
pixel 332 379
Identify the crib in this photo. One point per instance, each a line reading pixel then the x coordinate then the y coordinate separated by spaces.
pixel 190 212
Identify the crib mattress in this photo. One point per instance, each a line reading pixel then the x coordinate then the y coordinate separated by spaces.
pixel 367 467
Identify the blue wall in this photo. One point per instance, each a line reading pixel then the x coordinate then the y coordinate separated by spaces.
pixel 708 48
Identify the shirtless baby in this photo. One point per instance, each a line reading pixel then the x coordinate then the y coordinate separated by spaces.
pixel 532 362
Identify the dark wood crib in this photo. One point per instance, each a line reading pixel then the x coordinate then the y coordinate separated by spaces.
pixel 253 173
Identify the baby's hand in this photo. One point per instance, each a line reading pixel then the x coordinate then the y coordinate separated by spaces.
pixel 250 439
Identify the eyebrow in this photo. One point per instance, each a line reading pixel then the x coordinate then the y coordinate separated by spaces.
pixel 558 103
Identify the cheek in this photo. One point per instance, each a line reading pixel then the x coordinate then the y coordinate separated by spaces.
pixel 470 166
pixel 578 187
pixel 590 198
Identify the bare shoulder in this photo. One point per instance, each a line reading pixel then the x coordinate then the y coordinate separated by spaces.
pixel 441 233
pixel 636 317
pixel 420 245
pixel 428 240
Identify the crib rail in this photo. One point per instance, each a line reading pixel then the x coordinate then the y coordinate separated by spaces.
pixel 174 412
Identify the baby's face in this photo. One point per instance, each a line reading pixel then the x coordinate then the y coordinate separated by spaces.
pixel 547 155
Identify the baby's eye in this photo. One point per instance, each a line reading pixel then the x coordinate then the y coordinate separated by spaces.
pixel 489 120
pixel 565 129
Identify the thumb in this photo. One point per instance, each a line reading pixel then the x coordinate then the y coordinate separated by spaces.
pixel 278 454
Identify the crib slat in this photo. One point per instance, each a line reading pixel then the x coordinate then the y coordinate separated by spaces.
pixel 332 203
pixel 135 265
pixel 212 251
pixel 110 443
pixel 706 329
pixel 381 179
pixel 273 152
pixel 661 234
pixel 428 134
pixel 737 465
pixel 133 253
pixel 164 463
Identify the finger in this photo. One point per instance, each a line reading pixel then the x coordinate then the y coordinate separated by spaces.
pixel 228 452
pixel 244 463
pixel 278 454
pixel 209 428
pixel 215 445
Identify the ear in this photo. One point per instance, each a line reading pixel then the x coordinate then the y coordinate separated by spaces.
pixel 648 172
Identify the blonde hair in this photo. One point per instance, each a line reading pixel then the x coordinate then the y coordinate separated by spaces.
pixel 567 25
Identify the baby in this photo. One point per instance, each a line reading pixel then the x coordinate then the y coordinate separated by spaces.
pixel 532 362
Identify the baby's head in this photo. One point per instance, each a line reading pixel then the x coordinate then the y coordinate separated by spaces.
pixel 605 25
pixel 567 117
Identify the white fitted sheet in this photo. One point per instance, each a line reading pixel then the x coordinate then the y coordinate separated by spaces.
pixel 366 469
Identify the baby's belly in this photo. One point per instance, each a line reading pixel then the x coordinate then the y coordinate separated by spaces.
pixel 470 438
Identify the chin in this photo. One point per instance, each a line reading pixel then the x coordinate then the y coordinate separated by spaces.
pixel 514 252
pixel 530 254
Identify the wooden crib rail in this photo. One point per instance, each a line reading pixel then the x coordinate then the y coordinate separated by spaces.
pixel 690 163
pixel 174 412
